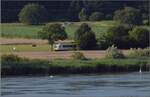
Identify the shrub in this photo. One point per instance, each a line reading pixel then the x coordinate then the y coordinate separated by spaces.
pixel 83 15
pixel 146 22
pixel 85 37
pixel 33 14
pixel 10 58
pixel 138 53
pixel 117 35
pixel 114 53
pixel 128 15
pixel 96 16
pixel 78 56
pixel 140 37
pixel 108 17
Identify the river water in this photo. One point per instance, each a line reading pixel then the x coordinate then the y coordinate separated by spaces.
pixel 94 85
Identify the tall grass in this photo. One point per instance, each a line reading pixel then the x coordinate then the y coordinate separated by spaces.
pixel 13 65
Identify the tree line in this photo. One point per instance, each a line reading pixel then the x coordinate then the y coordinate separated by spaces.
pixel 69 10
pixel 122 36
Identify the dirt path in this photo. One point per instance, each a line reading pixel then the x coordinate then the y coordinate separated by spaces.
pixel 59 54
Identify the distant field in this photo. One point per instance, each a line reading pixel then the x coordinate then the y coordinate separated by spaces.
pixel 13 30
pixel 24 48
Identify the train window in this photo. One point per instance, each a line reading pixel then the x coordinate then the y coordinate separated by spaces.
pixel 68 46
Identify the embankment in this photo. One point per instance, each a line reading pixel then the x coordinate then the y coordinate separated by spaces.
pixel 13 65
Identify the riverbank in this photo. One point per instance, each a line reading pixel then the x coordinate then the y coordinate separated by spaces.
pixel 13 65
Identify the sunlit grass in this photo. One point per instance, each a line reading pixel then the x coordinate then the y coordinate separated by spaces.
pixel 19 30
pixel 24 48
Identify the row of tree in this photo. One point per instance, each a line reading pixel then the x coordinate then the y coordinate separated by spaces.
pixel 68 10
pixel 122 36
pixel 37 14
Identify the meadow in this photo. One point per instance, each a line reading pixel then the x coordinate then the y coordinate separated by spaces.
pixel 19 30
pixel 24 48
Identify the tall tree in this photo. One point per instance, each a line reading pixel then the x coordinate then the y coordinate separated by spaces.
pixel 85 37
pixel 53 32
pixel 33 14
pixel 129 15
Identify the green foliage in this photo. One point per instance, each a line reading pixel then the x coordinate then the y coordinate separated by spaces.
pixel 13 30
pixel 78 56
pixel 146 22
pixel 117 35
pixel 114 53
pixel 44 67
pixel 83 15
pixel 10 58
pixel 96 16
pixel 53 32
pixel 33 14
pixel 85 37
pixel 129 15
pixel 139 53
pixel 140 36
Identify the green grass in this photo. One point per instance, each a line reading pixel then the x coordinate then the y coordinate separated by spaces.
pixel 19 30
pixel 24 48
pixel 13 65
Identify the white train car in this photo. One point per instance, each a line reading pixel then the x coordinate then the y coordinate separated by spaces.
pixel 64 45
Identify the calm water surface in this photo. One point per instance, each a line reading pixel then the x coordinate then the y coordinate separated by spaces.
pixel 94 85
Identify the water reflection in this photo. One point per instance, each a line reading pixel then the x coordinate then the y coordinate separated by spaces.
pixel 95 85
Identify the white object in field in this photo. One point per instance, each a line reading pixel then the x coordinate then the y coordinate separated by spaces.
pixel 14 48
pixel 64 46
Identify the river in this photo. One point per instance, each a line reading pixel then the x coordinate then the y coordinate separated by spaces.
pixel 92 85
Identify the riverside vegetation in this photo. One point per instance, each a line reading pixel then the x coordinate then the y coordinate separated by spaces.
pixel 14 65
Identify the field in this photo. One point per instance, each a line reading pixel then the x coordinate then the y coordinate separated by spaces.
pixel 24 48
pixel 13 30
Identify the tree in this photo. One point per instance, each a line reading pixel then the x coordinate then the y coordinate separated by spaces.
pixel 116 35
pixel 83 15
pixel 140 36
pixel 128 15
pixel 53 32
pixel 85 37
pixel 33 14
pixel 96 16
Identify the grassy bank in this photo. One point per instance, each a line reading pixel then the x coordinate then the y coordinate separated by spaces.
pixel 12 65
pixel 13 30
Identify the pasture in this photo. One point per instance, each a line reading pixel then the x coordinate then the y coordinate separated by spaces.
pixel 18 30
pixel 24 48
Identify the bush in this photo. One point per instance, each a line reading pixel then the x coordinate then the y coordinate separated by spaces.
pixel 96 16
pixel 78 56
pixel 128 15
pixel 108 17
pixel 33 14
pixel 114 53
pixel 10 58
pixel 139 53
pixel 85 37
pixel 83 15
pixel 140 37
pixel 146 22
pixel 117 35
